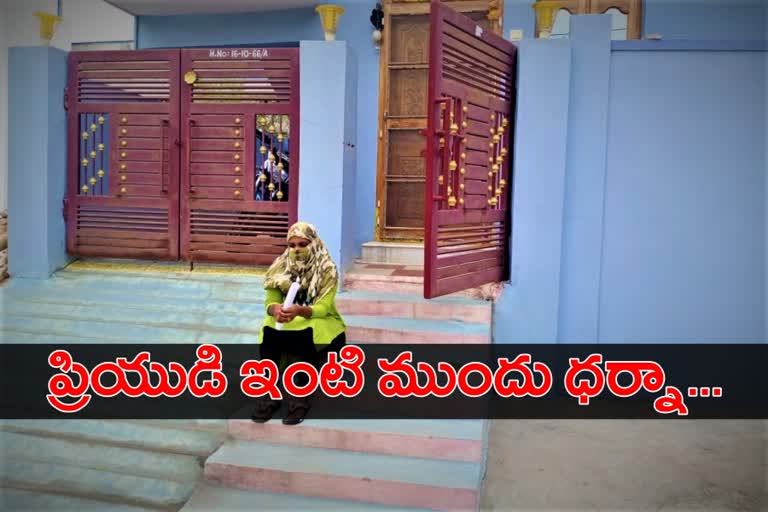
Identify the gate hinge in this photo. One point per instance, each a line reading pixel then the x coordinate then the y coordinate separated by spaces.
pixel 66 99
pixel 179 142
pixel 65 208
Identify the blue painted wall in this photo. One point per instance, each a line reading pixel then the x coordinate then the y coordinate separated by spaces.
pixel 293 26
pixel 653 229
pixel 323 190
pixel 674 19
pixel 683 247
pixel 37 161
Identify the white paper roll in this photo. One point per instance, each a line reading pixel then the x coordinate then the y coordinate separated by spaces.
pixel 289 298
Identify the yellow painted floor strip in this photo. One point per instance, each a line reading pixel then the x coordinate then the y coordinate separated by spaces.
pixel 170 267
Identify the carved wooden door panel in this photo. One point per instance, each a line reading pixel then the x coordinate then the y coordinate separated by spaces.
pixel 403 115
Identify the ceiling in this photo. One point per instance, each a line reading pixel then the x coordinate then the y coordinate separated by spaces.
pixel 171 7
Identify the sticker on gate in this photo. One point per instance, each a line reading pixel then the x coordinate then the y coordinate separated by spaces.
pixel 238 53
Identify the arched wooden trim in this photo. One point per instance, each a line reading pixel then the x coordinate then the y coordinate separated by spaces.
pixel 632 8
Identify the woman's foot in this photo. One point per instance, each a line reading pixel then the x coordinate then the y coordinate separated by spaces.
pixel 264 411
pixel 297 411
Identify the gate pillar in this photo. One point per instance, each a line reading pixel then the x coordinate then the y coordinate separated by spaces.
pixel 328 142
pixel 37 163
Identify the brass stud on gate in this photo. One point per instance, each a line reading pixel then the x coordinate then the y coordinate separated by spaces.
pixel 101 119
pixel 463 156
pixel 237 156
pixel 464 124
pixel 280 137
pixel 454 128
pixel 84 162
pixel 237 181
pixel 279 195
pixel 453 165
pixel 124 120
pixel 100 174
pixel 123 143
pixel 84 188
pixel 85 135
pixel 93 127
pixel 465 109
pixel 280 166
pixel 123 167
pixel 263 149
pixel 124 131
pixel 502 183
pixel 237 132
pixel 461 200
pixel 461 186
pixel 463 171
pixel 504 122
pixel 101 147
pixel 237 144
pixel 92 181
pixel 123 178
pixel 123 190
pixel 440 180
pixel 93 155
pixel 123 154
pixel 237 168
pixel 490 188
pixel 237 120
pixel 237 193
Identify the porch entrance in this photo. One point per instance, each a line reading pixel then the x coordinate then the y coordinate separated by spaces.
pixel 403 90
pixel 182 154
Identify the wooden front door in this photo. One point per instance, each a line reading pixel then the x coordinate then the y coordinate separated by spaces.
pixel 403 114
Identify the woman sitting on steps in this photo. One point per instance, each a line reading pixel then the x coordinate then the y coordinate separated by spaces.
pixel 313 315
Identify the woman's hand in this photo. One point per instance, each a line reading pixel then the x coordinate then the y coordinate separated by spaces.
pixel 284 315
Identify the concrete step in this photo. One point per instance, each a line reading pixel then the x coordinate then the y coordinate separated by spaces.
pixel 85 454
pixel 211 498
pixel 393 253
pixel 125 434
pixel 376 329
pixel 458 440
pixel 99 485
pixel 360 281
pixel 14 500
pixel 99 323
pixel 334 474
pixel 366 303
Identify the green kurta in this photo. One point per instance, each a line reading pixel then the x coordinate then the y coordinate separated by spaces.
pixel 326 322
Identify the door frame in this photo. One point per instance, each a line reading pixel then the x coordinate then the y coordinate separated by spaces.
pixel 406 8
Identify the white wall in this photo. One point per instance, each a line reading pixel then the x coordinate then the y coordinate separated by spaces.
pixel 85 21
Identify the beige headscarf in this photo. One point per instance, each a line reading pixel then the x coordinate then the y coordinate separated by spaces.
pixel 317 274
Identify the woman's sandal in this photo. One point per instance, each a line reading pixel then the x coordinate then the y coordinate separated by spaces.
pixel 296 414
pixel 263 413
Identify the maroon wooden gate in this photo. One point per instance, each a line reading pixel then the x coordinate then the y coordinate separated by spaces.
pixel 123 169
pixel 240 111
pixel 182 153
pixel 469 133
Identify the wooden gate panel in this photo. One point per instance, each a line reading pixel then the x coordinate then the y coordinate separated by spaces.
pixel 471 96
pixel 122 187
pixel 240 164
